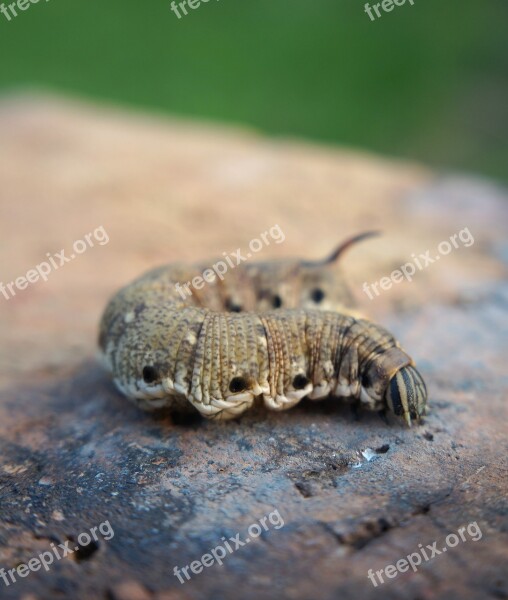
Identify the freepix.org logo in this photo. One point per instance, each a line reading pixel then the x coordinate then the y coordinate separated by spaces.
pixel 53 262
pixel 415 559
pixel 10 11
pixel 217 555
pixel 45 559
pixel 231 260
pixel 418 263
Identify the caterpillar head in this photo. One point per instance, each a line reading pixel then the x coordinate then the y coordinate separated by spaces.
pixel 391 381
pixel 406 394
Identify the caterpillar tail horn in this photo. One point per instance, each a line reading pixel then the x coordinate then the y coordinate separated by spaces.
pixel 338 252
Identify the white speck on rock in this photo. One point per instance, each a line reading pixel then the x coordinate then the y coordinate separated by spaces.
pixel 46 481
pixel 368 454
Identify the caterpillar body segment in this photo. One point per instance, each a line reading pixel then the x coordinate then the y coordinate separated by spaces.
pixel 281 331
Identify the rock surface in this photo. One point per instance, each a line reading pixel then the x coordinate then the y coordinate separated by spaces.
pixel 353 492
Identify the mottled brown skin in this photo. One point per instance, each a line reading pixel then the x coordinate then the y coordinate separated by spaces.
pixel 281 330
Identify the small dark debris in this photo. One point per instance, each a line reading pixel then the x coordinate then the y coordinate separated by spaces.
pixel 86 552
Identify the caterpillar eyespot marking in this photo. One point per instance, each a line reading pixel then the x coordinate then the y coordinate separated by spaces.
pixel 231 306
pixel 149 374
pixel 281 330
pixel 317 295
pixel 300 382
pixel 276 302
pixel 238 384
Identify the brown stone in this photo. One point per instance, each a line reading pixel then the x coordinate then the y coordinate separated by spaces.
pixel 354 493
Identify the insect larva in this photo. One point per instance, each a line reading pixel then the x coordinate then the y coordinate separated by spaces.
pixel 281 330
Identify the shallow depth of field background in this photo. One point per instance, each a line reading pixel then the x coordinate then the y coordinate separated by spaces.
pixel 426 82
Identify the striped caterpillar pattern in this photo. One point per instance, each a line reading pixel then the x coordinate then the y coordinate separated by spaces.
pixel 281 330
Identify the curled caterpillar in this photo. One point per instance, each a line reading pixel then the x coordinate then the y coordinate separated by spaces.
pixel 281 330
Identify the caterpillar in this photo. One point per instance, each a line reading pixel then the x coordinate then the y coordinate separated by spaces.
pixel 281 330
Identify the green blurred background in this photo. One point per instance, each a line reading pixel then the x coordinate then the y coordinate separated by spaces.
pixel 426 82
